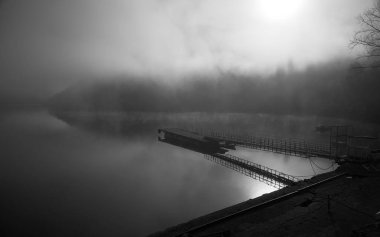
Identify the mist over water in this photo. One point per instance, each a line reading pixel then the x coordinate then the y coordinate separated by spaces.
pixel 106 174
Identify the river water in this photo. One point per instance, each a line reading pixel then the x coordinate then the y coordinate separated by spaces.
pixel 105 174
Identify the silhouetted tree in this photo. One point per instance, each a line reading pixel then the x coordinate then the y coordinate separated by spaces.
pixel 369 35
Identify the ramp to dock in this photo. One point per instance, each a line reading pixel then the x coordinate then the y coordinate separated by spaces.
pixel 264 174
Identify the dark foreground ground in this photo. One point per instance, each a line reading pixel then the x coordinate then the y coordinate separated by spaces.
pixel 339 203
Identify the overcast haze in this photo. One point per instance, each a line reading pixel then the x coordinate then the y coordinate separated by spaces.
pixel 46 45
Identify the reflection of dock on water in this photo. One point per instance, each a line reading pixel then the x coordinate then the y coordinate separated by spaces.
pixel 215 145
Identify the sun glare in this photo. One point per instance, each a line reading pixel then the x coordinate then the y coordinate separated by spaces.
pixel 279 9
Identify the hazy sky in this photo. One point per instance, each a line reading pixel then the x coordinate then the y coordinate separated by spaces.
pixel 48 43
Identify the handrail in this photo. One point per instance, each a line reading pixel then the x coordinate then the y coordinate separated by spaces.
pixel 259 172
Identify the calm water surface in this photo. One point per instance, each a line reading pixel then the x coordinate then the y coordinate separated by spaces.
pixel 107 175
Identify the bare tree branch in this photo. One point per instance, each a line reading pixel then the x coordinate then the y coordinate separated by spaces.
pixel 369 36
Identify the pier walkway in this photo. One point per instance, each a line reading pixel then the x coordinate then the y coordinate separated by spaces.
pixel 292 147
pixel 215 145
pixel 264 174
pixel 214 150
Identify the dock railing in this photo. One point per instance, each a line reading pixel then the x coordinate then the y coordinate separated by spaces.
pixel 261 173
pixel 292 147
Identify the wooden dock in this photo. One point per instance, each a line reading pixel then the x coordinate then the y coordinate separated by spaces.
pixel 214 149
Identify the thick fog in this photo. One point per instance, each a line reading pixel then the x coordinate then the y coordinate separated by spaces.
pixel 47 45
pixel 86 84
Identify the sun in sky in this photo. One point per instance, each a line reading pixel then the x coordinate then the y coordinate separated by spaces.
pixel 279 9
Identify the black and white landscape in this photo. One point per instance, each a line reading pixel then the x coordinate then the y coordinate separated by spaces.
pixel 85 84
